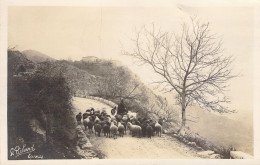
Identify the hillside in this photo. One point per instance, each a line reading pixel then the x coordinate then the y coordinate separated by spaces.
pixel 106 79
pixel 39 110
pixel 36 56
pixel 222 130
pixel 115 81
pixel 80 81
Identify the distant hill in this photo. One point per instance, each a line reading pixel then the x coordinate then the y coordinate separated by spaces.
pixel 16 59
pixel 36 56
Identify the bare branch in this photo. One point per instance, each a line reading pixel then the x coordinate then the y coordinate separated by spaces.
pixel 191 64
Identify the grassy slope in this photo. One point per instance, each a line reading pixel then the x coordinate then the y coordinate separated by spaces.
pixel 222 130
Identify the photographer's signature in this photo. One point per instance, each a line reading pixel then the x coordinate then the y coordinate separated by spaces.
pixel 18 151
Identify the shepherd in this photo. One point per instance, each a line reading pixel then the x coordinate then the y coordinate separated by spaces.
pixel 121 110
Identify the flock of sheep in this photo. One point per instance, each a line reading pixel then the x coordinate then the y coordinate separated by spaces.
pixel 115 125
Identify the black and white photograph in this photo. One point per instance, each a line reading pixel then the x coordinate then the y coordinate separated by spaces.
pixel 148 80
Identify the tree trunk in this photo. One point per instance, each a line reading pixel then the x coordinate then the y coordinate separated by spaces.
pixel 183 117
pixel 183 108
pixel 182 130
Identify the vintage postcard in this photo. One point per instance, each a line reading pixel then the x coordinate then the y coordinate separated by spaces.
pixel 146 80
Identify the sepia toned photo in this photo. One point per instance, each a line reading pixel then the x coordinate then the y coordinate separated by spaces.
pixel 130 82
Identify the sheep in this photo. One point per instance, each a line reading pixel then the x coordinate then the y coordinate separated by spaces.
pixel 102 123
pixel 88 111
pixel 143 126
pixel 152 124
pixel 124 124
pixel 102 118
pixel 106 130
pixel 115 122
pixel 132 118
pixel 90 126
pixel 124 118
pixel 85 115
pixel 97 128
pixel 113 117
pixel 130 127
pixel 113 130
pixel 92 118
pixel 108 119
pixel 131 115
pixel 149 131
pixel 160 122
pixel 118 117
pixel 137 123
pixel 137 131
pixel 97 112
pixel 134 129
pixel 158 129
pixel 92 111
pixel 97 119
pixel 103 113
pixel 85 122
pixel 121 129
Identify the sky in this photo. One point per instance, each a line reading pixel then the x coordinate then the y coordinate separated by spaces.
pixel 75 32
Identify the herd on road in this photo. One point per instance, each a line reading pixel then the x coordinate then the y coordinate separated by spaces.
pixel 118 124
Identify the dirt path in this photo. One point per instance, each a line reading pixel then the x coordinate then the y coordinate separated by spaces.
pixel 128 147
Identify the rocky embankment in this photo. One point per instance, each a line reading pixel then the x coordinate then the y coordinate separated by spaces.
pixel 84 147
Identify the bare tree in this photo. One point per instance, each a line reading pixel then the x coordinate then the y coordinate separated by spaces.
pixel 191 64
